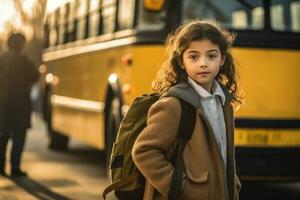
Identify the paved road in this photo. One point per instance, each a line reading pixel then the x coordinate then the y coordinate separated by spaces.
pixel 76 174
pixel 80 174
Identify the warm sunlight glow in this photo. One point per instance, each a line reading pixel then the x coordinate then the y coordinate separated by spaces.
pixel 28 5
pixel 8 13
pixel 9 18
pixel 53 4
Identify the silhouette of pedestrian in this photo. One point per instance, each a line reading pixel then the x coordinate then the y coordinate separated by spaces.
pixel 17 75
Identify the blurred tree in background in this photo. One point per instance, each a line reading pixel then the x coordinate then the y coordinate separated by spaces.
pixel 31 24
pixel 33 20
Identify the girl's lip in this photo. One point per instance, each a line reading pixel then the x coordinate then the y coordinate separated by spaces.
pixel 201 73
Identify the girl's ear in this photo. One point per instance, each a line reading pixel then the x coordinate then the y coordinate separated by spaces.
pixel 180 61
pixel 177 63
pixel 223 60
pixel 182 65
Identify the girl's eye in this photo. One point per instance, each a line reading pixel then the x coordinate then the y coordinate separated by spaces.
pixel 212 56
pixel 193 57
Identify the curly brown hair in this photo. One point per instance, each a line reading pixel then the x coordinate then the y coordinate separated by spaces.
pixel 171 73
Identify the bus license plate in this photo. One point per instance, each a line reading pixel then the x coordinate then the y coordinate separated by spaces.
pixel 260 137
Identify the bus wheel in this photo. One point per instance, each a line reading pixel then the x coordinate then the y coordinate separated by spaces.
pixel 57 141
pixel 113 119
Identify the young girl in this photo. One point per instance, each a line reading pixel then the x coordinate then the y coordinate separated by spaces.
pixel 199 69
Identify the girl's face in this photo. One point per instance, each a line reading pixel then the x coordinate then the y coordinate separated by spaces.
pixel 202 60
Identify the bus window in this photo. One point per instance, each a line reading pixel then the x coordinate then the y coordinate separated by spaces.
pixel 149 20
pixel 234 14
pixel 295 16
pixel 94 18
pixel 126 14
pixel 66 23
pixel 53 31
pixel 46 31
pixel 277 19
pixel 81 15
pixel 62 25
pixel 109 16
pixel 285 15
pixel 57 24
pixel 239 19
pixel 71 24
pixel 258 18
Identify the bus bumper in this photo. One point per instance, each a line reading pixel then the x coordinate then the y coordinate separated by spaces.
pixel 268 163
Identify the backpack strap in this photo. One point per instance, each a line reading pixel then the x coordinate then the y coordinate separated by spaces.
pixel 187 121
pixel 185 132
pixel 120 183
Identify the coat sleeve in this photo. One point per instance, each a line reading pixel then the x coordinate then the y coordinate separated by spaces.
pixel 32 73
pixel 150 149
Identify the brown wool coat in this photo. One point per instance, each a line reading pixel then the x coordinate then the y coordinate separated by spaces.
pixel 17 75
pixel 205 176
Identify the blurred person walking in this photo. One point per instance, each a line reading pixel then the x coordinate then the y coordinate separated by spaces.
pixel 17 75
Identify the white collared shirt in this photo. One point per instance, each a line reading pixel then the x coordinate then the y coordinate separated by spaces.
pixel 212 108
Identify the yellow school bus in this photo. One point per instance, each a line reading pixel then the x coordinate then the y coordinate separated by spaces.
pixel 101 54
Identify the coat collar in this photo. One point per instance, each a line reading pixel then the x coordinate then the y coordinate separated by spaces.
pixel 216 90
pixel 186 92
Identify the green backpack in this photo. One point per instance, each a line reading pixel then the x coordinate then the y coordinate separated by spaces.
pixel 127 180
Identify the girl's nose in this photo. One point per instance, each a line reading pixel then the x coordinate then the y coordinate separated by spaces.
pixel 203 63
pixel 203 66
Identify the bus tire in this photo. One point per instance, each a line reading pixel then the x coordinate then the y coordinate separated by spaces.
pixel 57 141
pixel 113 120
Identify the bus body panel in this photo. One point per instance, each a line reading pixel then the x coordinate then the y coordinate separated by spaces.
pixel 269 82
pixel 85 78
